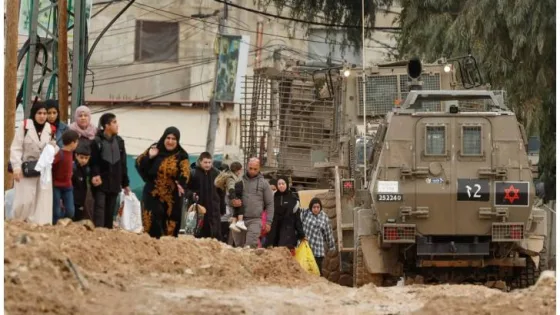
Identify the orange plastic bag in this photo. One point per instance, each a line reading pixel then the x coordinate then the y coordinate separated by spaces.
pixel 304 256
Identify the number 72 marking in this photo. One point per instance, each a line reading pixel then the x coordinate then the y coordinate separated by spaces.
pixel 476 193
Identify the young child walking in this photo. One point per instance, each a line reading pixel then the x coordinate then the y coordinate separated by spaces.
pixel 62 177
pixel 80 182
pixel 232 183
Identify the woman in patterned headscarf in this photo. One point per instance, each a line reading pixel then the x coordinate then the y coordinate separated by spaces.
pixel 82 124
pixel 165 169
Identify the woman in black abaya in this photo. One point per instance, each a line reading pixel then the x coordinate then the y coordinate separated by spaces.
pixel 165 169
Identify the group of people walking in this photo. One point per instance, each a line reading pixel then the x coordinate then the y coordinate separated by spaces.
pixel 89 171
pixel 82 168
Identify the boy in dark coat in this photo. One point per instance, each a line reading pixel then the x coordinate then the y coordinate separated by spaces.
pixel 108 170
pixel 80 180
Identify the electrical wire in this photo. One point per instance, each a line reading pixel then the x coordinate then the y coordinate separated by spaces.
pixel 128 43
pixel 88 57
pixel 119 23
pixel 40 46
pixel 377 28
pixel 106 67
pixel 203 29
pixel 201 61
pixel 102 9
pixel 139 5
pixel 183 67
pixel 148 98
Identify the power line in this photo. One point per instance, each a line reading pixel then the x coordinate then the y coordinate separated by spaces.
pixel 148 98
pixel 102 67
pixel 177 68
pixel 203 29
pixel 101 10
pixel 139 5
pixel 122 1
pixel 377 28
pixel 197 61
pixel 183 32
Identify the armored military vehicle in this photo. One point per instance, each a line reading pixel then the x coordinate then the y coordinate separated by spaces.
pixel 452 196
pixel 448 192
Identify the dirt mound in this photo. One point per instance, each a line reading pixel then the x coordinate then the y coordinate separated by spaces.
pixel 474 300
pixel 40 260
pixel 77 269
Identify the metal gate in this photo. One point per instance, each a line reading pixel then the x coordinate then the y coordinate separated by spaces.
pixel 286 124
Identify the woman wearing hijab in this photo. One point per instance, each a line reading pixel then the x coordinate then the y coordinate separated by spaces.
pixel 33 202
pixel 87 131
pixel 317 227
pixel 53 117
pixel 83 126
pixel 165 169
pixel 286 228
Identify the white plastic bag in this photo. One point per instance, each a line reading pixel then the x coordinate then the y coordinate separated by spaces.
pixel 129 217
pixel 44 165
pixel 9 204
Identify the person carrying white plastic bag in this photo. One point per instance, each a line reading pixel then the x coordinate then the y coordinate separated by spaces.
pixel 31 155
pixel 129 217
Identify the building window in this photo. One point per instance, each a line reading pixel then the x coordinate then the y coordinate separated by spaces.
pixel 435 140
pixel 472 140
pixel 156 41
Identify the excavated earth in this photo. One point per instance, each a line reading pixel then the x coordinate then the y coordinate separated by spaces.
pixel 76 269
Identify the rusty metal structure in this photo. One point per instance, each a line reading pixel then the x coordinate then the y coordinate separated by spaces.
pixel 288 125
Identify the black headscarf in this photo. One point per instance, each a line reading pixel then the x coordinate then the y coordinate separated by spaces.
pixel 163 152
pixel 287 191
pixel 53 104
pixel 34 109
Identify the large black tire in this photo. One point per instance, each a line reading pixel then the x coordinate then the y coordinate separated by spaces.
pixel 529 275
pixel 332 268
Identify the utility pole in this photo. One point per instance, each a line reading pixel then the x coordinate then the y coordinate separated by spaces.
pixel 364 90
pixel 274 126
pixel 260 27
pixel 79 52
pixel 10 83
pixel 63 59
pixel 30 64
pixel 214 109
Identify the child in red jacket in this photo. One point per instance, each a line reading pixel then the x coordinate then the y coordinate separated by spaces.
pixel 62 177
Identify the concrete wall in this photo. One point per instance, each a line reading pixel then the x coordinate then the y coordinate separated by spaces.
pixel 142 126
pixel 114 55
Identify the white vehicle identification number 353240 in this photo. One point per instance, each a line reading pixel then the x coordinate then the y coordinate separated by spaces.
pixel 389 197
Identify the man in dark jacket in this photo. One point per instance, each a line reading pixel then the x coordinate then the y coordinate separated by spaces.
pixel 202 190
pixel 108 170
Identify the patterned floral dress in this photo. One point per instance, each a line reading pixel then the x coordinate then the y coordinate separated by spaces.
pixel 161 203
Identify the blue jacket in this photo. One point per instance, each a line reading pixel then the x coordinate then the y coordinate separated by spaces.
pixel 60 129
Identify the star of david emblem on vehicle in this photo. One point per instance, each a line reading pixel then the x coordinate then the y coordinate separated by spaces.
pixel 511 194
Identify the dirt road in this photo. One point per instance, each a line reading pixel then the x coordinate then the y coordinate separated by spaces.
pixel 79 270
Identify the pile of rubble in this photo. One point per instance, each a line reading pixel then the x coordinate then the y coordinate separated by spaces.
pixel 77 269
